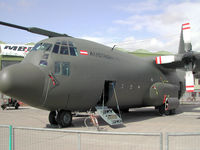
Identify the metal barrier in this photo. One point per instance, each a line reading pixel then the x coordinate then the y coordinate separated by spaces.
pixel 182 141
pixel 4 137
pixel 23 138
pixel 37 138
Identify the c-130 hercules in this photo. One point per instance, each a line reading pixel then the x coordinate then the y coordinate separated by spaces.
pixel 63 74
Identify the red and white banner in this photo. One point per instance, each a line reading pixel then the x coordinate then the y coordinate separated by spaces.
pixel 83 52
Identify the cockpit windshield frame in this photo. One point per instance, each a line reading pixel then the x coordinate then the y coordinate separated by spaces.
pixel 59 47
pixel 42 47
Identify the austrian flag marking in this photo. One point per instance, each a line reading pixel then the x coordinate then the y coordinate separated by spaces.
pixel 186 26
pixel 83 52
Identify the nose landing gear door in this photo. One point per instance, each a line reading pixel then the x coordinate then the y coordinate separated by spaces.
pixel 55 85
pixel 50 83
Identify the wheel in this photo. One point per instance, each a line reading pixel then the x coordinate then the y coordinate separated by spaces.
pixel 170 112
pixel 52 118
pixel 64 118
pixel 3 106
pixel 173 111
pixel 161 110
pixel 167 112
pixel 16 105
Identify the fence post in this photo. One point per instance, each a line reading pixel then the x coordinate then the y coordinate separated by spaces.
pixel 167 141
pixel 79 141
pixel 10 137
pixel 161 141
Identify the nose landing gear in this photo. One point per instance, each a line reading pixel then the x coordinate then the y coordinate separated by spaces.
pixel 52 118
pixel 62 118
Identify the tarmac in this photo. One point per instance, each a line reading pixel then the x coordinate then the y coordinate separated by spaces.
pixel 186 119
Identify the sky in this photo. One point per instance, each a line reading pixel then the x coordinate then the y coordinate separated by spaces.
pixel 154 25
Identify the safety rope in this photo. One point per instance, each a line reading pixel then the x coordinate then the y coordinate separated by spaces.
pixel 116 101
pixel 93 120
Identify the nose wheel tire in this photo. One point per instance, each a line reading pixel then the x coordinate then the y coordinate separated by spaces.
pixel 3 106
pixel 52 118
pixel 64 118
pixel 16 105
pixel 161 110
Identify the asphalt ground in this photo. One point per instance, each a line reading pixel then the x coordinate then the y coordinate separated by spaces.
pixel 186 119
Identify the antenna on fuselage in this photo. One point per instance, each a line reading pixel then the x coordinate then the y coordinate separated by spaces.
pixel 35 30
pixel 113 47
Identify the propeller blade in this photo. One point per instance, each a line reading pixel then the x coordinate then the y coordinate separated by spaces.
pixel 189 81
pixel 165 59
pixel 187 36
pixel 185 58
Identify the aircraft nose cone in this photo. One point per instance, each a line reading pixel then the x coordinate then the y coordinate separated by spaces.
pixel 24 82
pixel 5 82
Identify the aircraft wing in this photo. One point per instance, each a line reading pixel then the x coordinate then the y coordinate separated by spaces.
pixel 180 61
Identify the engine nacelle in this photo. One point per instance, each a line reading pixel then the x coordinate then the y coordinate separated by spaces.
pixel 160 91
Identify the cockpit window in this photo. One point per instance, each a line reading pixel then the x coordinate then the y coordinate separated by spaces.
pixel 43 63
pixel 57 67
pixel 45 56
pixel 56 48
pixel 64 42
pixel 65 69
pixel 73 51
pixel 64 50
pixel 36 47
pixel 42 46
pixel 46 47
pixel 62 68
pixel 58 42
pixel 71 43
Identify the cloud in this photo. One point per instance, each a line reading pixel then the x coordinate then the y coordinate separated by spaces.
pixel 5 6
pixel 163 24
pixel 131 44
pixel 16 5
pixel 112 29
pixel 140 7
pixel 25 4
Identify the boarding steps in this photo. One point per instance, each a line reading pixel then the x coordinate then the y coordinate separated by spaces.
pixel 108 115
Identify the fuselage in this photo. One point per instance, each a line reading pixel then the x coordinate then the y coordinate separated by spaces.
pixel 71 74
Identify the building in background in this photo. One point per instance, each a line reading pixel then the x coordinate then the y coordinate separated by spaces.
pixel 12 54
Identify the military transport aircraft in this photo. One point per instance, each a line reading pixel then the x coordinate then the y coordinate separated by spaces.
pixel 63 74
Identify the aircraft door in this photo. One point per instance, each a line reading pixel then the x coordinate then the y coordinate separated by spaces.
pixel 107 92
